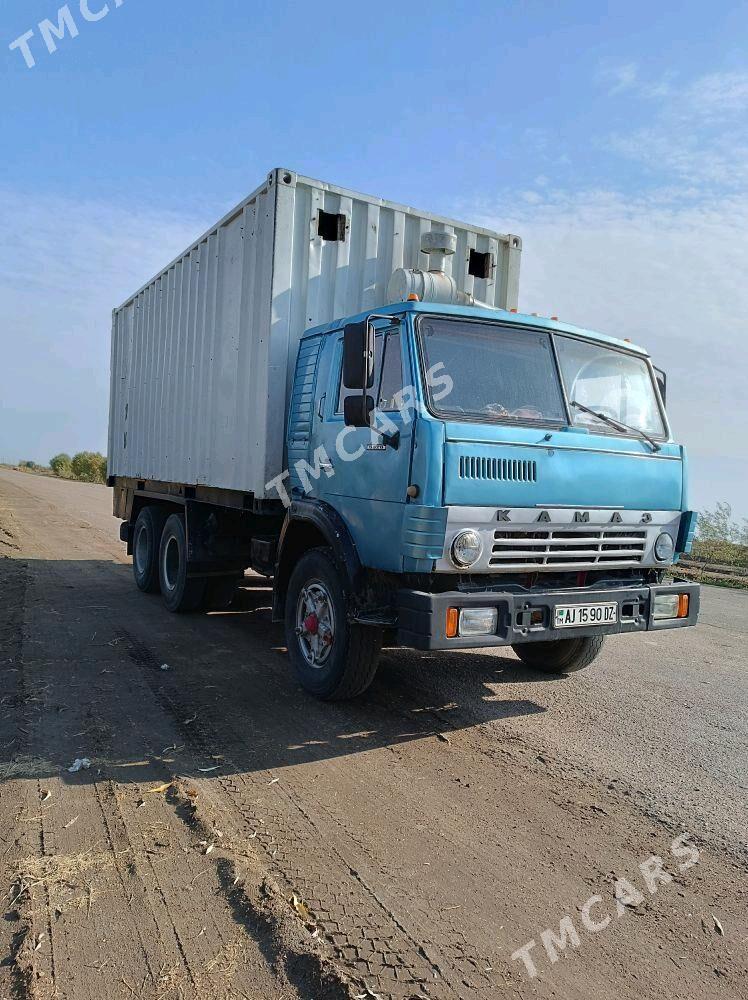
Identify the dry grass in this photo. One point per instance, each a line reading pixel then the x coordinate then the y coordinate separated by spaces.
pixel 40 470
pixel 720 553
pixel 716 579
pixel 25 766
pixel 226 963
pixel 67 869
pixel 71 880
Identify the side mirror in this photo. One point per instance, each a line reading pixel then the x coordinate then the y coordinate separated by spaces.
pixel 358 356
pixel 661 383
pixel 357 410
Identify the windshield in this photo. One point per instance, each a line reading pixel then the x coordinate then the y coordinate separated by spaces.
pixel 498 373
pixel 612 383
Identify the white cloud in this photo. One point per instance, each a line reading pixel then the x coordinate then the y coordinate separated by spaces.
pixel 717 96
pixel 682 152
pixel 619 77
pixel 626 78
pixel 697 133
pixel 64 265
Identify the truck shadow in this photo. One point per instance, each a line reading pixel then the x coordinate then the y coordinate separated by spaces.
pixel 98 670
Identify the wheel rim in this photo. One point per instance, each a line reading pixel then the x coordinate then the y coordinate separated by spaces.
pixel 315 624
pixel 171 563
pixel 141 550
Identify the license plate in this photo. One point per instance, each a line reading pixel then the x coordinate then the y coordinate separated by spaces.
pixel 576 615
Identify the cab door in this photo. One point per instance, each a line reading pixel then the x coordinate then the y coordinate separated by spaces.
pixel 363 465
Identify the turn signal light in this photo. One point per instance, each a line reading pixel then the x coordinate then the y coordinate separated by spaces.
pixel 683 605
pixel 453 623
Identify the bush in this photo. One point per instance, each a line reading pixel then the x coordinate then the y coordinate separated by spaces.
pixel 89 467
pixel 62 465
pixel 26 465
pixel 718 526
pixel 720 540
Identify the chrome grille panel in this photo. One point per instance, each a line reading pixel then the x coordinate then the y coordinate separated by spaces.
pixel 590 546
pixel 545 539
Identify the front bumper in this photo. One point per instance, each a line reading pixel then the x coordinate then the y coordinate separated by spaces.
pixel 422 616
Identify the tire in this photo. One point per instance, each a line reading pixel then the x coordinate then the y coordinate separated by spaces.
pixel 561 656
pixel 179 593
pixel 347 662
pixel 146 541
pixel 219 593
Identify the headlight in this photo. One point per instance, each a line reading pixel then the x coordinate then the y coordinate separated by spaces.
pixel 671 606
pixel 466 548
pixel 478 621
pixel 665 548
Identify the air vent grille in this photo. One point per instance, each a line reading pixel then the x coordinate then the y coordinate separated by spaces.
pixel 508 470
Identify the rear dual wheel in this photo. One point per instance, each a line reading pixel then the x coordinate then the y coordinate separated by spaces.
pixel 145 547
pixel 179 591
pixel 160 564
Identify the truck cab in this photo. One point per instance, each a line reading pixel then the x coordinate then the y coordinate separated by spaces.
pixel 487 478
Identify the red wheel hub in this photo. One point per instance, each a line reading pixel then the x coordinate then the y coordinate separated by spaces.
pixel 311 624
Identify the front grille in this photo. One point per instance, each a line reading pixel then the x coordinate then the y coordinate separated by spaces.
pixel 586 547
pixel 511 470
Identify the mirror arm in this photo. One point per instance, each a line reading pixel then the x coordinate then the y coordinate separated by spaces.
pixel 392 440
pixel 364 387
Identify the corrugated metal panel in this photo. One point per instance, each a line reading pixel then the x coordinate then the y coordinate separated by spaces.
pixel 190 379
pixel 203 355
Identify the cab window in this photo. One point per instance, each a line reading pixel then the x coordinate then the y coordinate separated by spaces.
pixel 391 382
pixel 388 374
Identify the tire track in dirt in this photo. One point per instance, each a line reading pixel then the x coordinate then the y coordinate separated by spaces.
pixel 149 912
pixel 456 945
pixel 384 954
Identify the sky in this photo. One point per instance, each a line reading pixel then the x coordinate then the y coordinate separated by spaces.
pixel 613 137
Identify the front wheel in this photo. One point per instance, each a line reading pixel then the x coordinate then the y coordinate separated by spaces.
pixel 333 658
pixel 562 656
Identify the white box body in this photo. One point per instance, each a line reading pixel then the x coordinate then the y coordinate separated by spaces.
pixel 203 355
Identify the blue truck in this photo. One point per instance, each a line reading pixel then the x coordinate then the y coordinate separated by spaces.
pixel 434 470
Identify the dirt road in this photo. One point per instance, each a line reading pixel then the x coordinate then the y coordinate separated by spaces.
pixel 234 838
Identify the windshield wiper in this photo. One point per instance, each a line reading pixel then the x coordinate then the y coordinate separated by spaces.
pixel 619 424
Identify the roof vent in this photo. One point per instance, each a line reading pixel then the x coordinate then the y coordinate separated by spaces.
pixel 439 245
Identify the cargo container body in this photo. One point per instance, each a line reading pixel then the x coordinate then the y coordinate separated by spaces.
pixel 203 355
